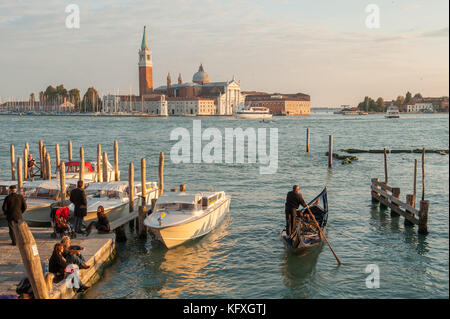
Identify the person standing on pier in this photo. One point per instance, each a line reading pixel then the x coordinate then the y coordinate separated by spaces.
pixel 293 200
pixel 78 198
pixel 14 206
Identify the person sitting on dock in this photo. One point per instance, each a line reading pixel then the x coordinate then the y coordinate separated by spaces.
pixel 57 262
pixel 14 206
pixel 102 223
pixel 78 198
pixel 293 200
pixel 72 253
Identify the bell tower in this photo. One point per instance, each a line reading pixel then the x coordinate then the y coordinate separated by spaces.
pixel 145 68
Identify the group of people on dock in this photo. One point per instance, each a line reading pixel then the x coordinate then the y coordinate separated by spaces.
pixel 64 254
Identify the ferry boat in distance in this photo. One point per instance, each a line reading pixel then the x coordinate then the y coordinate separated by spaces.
pixel 254 112
pixel 180 217
pixel 392 113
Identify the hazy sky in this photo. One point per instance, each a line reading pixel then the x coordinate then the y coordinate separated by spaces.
pixel 322 48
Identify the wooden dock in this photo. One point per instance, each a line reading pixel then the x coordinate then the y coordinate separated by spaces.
pixel 100 251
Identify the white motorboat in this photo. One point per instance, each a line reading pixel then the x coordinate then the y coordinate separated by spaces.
pixel 90 170
pixel 392 113
pixel 180 217
pixel 113 196
pixel 40 195
pixel 254 112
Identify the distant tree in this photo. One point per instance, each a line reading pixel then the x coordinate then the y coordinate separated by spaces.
pixel 32 98
pixel 74 97
pixel 380 105
pixel 408 97
pixel 41 97
pixel 400 100
pixel 91 101
pixel 418 96
pixel 50 94
pixel 61 91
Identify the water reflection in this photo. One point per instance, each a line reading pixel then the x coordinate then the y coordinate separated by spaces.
pixel 298 271
pixel 191 264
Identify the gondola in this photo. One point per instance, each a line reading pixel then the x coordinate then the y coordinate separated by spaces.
pixel 306 236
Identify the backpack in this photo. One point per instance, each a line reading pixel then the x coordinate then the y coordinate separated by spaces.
pixel 24 287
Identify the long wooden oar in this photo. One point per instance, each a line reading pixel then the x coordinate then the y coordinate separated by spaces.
pixel 322 234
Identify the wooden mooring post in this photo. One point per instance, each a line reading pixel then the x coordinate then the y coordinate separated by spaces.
pixel 105 167
pixel 161 174
pixel 69 151
pixel 44 162
pixel 25 163
pixel 330 152
pixel 131 192
pixel 142 230
pixel 307 140
pixel 58 159
pixel 396 194
pixel 19 175
pixel 99 158
pixel 13 163
pixel 116 161
pixel 81 164
pixel 409 201
pixel 423 217
pixel 386 179
pixel 31 260
pixel 62 180
pixel 48 166
pixel 423 175
pixel 41 157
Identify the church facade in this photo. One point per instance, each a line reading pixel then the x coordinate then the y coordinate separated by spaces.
pixel 198 97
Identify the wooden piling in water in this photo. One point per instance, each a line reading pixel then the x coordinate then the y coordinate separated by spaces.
pixel 161 174
pixel 307 140
pixel 81 164
pixel 31 260
pixel 330 152
pixel 409 201
pixel 99 159
pixel 13 162
pixel 62 180
pixel 48 166
pixel 19 175
pixel 372 193
pixel 386 180
pixel 58 159
pixel 27 146
pixel 25 163
pixel 423 174
pixel 105 167
pixel 116 161
pixel 396 194
pixel 44 162
pixel 423 217
pixel 131 186
pixel 141 217
pixel 41 157
pixel 143 182
pixel 415 183
pixel 69 151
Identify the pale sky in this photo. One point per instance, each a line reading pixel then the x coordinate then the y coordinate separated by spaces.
pixel 322 48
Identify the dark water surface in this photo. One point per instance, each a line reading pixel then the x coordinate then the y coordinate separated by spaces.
pixel 244 257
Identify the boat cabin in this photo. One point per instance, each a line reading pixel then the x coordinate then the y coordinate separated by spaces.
pixel 4 187
pixel 188 202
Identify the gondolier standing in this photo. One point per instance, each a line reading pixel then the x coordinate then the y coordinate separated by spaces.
pixel 14 206
pixel 293 200
pixel 78 198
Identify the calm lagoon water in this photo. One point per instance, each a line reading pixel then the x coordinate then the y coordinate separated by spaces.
pixel 244 257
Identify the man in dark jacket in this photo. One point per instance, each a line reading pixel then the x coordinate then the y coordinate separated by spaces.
pixel 78 198
pixel 293 200
pixel 14 206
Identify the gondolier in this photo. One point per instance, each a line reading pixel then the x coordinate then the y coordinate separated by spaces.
pixel 293 200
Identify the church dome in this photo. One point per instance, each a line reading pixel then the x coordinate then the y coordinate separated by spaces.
pixel 201 77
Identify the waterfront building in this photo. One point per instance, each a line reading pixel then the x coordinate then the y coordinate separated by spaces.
pixel 226 94
pixel 281 104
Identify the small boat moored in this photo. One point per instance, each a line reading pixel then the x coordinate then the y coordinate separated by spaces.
pixel 306 236
pixel 180 217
